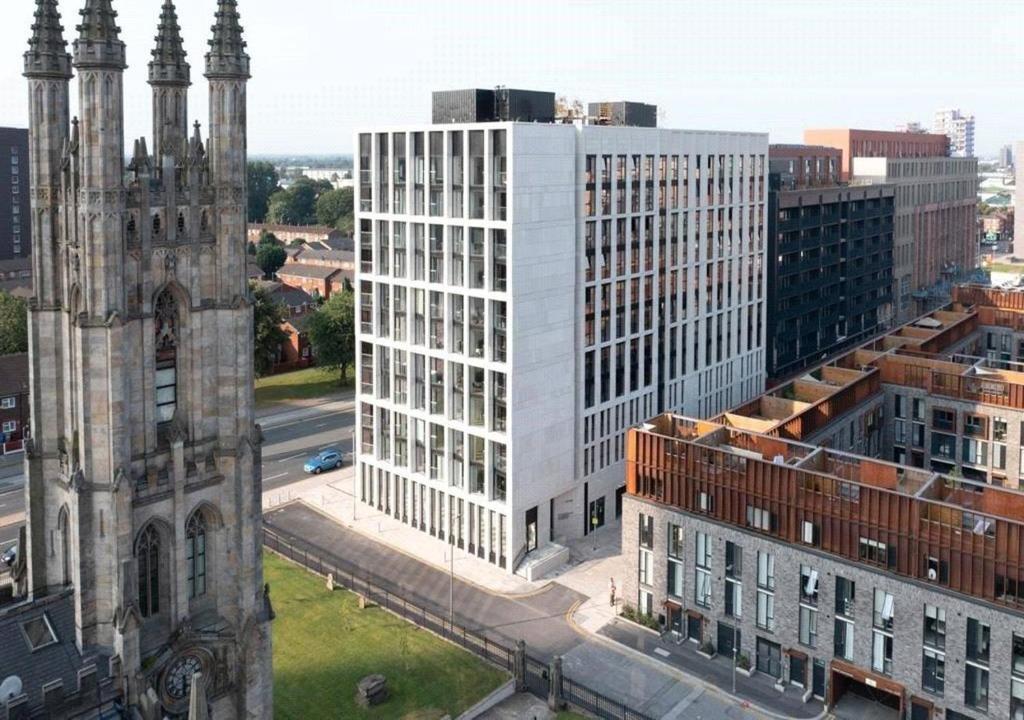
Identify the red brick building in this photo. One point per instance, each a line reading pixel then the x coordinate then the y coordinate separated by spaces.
pixel 877 143
pixel 314 279
pixel 14 408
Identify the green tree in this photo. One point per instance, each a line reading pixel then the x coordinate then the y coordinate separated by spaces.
pixel 270 258
pixel 267 316
pixel 332 332
pixel 334 206
pixel 268 237
pixel 297 204
pixel 263 182
pixel 13 324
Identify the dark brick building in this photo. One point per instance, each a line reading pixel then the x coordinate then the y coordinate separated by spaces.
pixel 15 232
pixel 14 415
pixel 829 258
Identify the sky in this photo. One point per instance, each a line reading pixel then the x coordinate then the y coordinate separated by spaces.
pixel 323 68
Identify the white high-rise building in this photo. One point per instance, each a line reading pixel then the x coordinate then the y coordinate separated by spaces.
pixel 1018 197
pixel 958 128
pixel 526 292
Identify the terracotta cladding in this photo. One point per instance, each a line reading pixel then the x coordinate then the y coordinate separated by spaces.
pixel 984 561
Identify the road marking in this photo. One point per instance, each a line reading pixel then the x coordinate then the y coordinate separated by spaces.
pixel 663 652
pixel 273 477
pixel 347 411
pixel 291 457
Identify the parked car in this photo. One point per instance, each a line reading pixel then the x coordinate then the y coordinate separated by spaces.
pixel 10 556
pixel 325 460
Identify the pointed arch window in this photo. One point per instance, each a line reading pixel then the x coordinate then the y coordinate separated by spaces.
pixel 147 553
pixel 166 323
pixel 65 546
pixel 195 555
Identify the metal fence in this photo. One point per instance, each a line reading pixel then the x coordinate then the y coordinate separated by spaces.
pixel 372 587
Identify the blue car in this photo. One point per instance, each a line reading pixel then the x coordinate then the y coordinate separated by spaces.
pixel 326 460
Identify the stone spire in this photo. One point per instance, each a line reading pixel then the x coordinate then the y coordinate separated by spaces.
pixel 169 65
pixel 99 43
pixel 227 57
pixel 47 54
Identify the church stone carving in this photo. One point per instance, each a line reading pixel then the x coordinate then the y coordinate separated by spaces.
pixel 126 332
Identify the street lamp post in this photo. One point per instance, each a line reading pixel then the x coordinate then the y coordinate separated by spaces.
pixel 451 571
pixel 735 655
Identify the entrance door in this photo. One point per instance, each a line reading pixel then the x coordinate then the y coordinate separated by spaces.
pixel 531 529
pixel 694 627
pixel 675 620
pixel 769 658
pixel 728 640
pixel 619 492
pixel 798 670
pixel 818 681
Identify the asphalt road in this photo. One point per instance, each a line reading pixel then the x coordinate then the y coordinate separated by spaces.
pixel 285 448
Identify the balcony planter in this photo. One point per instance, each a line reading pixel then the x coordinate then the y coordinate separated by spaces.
pixel 646 623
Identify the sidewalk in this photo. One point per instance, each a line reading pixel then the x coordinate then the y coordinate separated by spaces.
pixel 759 689
pixel 332 494
pixel 286 406
pixel 281 415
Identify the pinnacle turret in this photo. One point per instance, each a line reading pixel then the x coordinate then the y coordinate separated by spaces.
pixel 227 57
pixel 99 43
pixel 169 65
pixel 47 54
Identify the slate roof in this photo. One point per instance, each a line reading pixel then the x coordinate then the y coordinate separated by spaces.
pixel 291 296
pixel 336 256
pixel 316 272
pixel 60 660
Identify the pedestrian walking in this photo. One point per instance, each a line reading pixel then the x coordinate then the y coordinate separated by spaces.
pixel 611 591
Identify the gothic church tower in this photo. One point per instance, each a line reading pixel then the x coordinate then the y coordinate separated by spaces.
pixel 144 469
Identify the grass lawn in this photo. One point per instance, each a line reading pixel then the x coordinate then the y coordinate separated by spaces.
pixel 299 385
pixel 324 644
pixel 1006 267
